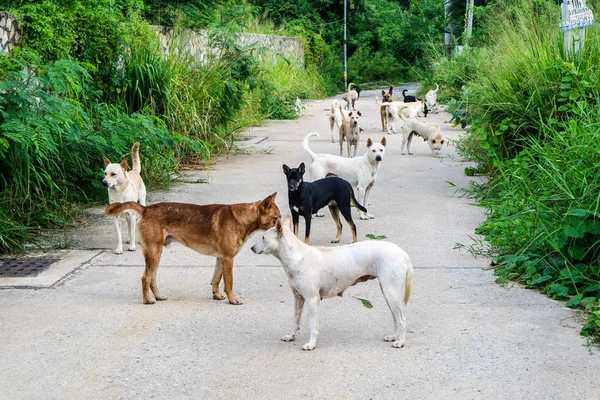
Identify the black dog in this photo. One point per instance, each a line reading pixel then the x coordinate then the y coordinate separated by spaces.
pixel 409 98
pixel 306 198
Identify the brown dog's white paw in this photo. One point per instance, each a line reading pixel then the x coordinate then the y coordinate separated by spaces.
pixel 288 338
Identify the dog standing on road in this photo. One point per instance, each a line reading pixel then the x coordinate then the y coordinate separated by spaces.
pixel 350 131
pixel 317 273
pixel 306 198
pixel 336 116
pixel 352 95
pixel 431 133
pixel 431 99
pixel 386 98
pixel 408 98
pixel 360 172
pixel 397 110
pixel 124 186
pixel 218 230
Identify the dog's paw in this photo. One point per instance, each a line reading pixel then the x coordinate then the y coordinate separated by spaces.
pixel 398 345
pixel 119 250
pixel 335 241
pixel 389 338
pixel 319 214
pixel 149 301
pixel 371 216
pixel 288 338
pixel 160 297
pixel 364 216
pixel 236 301
pixel 308 346
pixel 218 296
pixel 410 154
pixel 403 154
pixel 131 248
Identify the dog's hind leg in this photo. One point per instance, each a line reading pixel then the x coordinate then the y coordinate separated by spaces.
pixel 216 280
pixel 347 213
pixel 335 213
pixel 410 138
pixel 312 304
pixel 152 251
pixel 390 287
pixel 298 306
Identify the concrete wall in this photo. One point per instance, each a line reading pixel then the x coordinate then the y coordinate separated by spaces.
pixel 196 43
pixel 9 31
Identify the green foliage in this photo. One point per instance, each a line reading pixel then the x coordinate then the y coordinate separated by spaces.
pixel 375 237
pixel 366 303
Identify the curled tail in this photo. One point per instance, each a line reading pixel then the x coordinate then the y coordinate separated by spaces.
pixel 436 88
pixel 135 153
pixel 305 145
pixel 408 280
pixel 117 208
pixel 355 202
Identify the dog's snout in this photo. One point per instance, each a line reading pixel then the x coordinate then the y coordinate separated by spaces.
pixel 105 183
pixel 255 249
pixel 378 158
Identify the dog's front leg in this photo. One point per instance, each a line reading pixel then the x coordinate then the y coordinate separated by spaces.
pixel 295 221
pixel 366 199
pixel 299 305
pixel 312 303
pixel 360 195
pixel 227 265
pixel 307 221
pixel 117 222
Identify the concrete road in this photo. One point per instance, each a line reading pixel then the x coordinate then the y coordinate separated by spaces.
pixel 89 336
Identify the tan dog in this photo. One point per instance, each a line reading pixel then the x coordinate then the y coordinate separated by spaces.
pixel 431 133
pixel 123 186
pixel 350 131
pixel 351 97
pixel 386 98
pixel 218 230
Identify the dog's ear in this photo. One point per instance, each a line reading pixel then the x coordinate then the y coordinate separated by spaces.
pixel 369 142
pixel 286 169
pixel 124 164
pixel 359 114
pixel 106 161
pixel 383 141
pixel 442 142
pixel 302 168
pixel 279 227
pixel 361 129
pixel 268 202
pixel 382 92
pixel 350 114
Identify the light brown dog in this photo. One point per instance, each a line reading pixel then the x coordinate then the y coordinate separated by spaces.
pixel 386 98
pixel 350 131
pixel 218 230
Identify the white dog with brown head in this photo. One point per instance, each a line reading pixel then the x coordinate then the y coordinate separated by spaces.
pixel 317 273
pixel 125 186
pixel 431 133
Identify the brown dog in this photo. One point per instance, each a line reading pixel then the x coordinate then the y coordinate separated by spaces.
pixel 386 98
pixel 218 230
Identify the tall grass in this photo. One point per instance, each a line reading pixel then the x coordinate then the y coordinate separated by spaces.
pixel 536 127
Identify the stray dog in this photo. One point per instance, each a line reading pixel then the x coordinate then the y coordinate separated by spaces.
pixel 431 133
pixel 350 131
pixel 360 172
pixel 431 99
pixel 387 98
pixel 336 116
pixel 123 186
pixel 317 273
pixel 306 198
pixel 218 230
pixel 352 95
pixel 397 108
pixel 409 98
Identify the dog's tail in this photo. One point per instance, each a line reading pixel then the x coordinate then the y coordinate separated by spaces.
pixel 391 90
pixel 436 88
pixel 117 208
pixel 379 103
pixel 305 145
pixel 404 91
pixel 408 281
pixel 350 86
pixel 135 154
pixel 355 202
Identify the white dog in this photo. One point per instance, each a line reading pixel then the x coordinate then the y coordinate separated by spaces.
pixel 336 116
pixel 317 273
pixel 125 186
pixel 361 172
pixel 431 133
pixel 431 99
pixel 397 110
pixel 350 131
